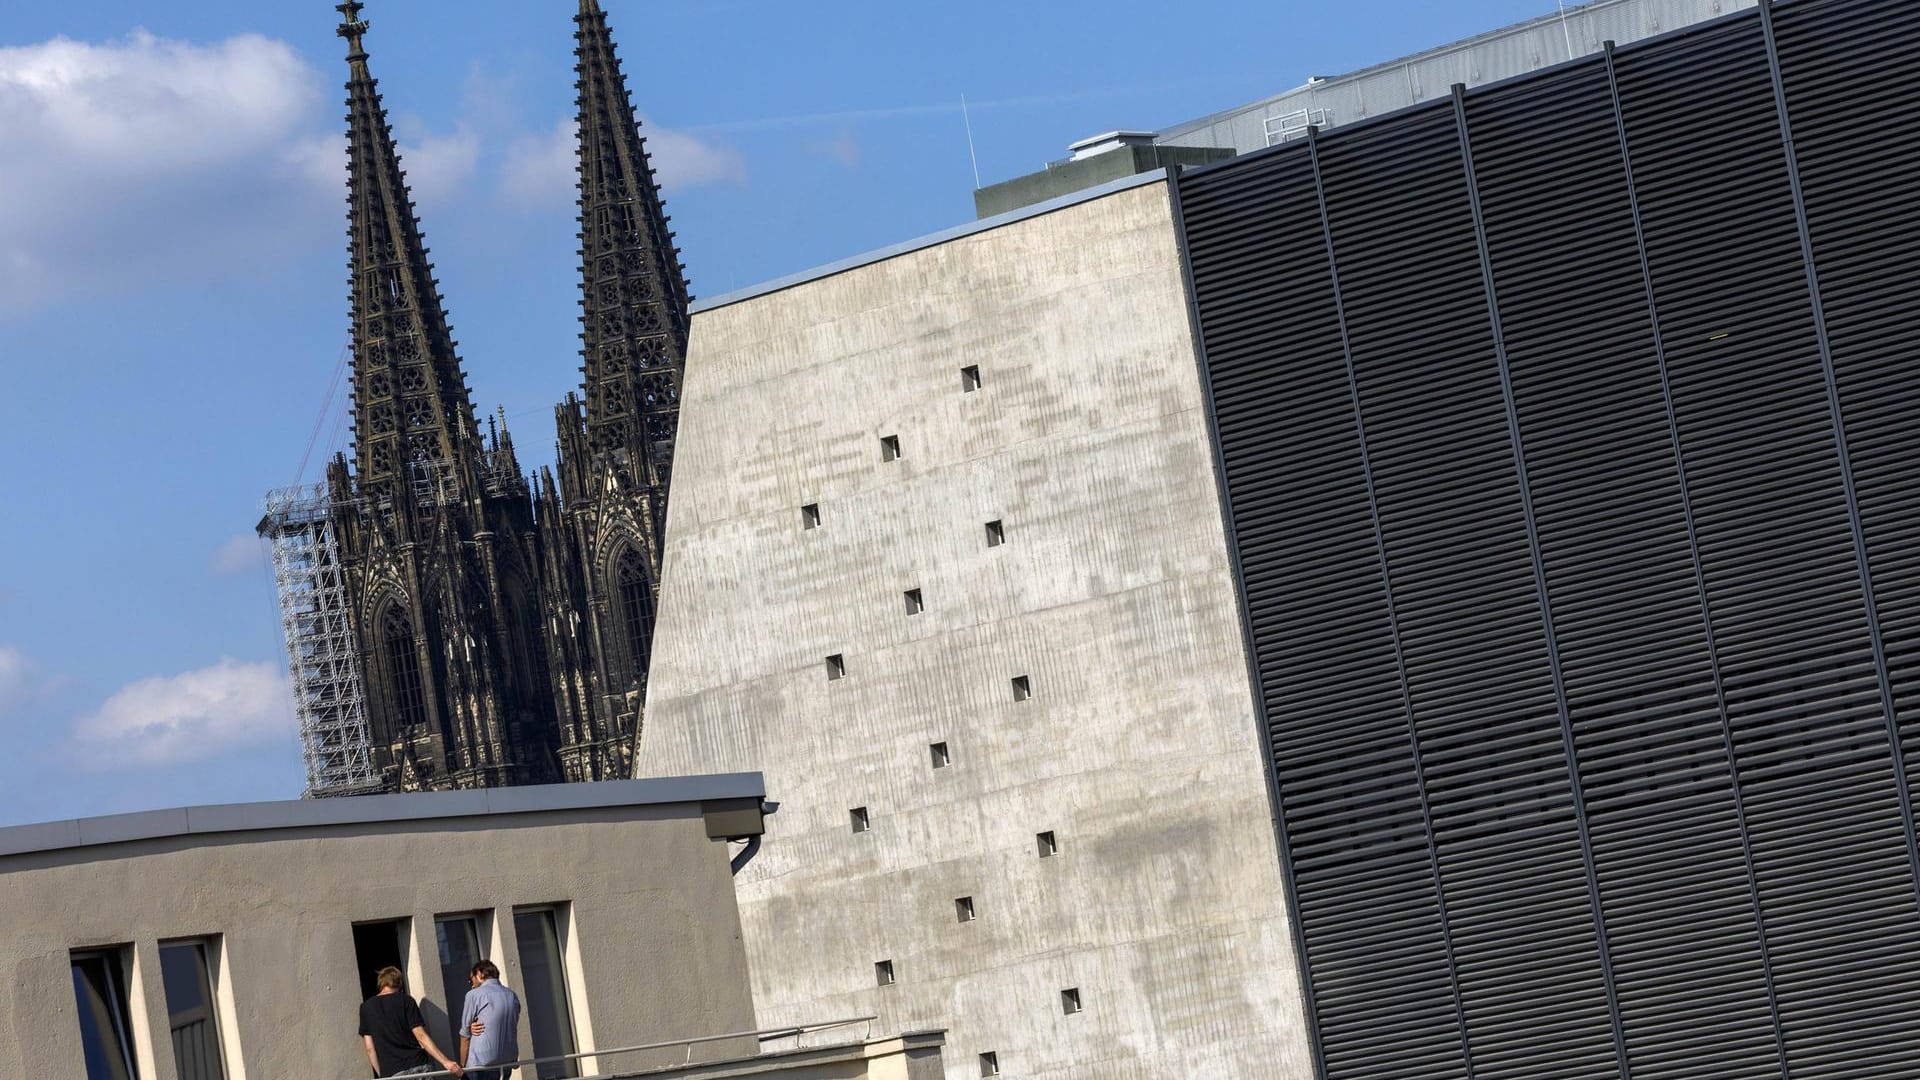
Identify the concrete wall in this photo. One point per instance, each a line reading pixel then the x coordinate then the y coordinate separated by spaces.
pixel 655 939
pixel 1164 906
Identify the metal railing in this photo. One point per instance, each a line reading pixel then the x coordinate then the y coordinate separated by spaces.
pixel 764 1035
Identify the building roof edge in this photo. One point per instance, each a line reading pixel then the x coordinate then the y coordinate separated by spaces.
pixel 373 809
pixel 905 247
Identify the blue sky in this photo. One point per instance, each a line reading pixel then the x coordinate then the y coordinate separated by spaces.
pixel 172 293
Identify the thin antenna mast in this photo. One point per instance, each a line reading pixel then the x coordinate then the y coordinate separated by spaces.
pixel 975 158
pixel 1565 29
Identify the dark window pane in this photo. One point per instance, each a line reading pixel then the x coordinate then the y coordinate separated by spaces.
pixel 459 941
pixel 636 606
pixel 404 664
pixel 100 992
pixel 190 1013
pixel 544 984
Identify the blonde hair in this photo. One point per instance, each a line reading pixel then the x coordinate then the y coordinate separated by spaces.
pixel 390 978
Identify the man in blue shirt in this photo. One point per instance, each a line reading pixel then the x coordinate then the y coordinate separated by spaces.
pixel 489 1024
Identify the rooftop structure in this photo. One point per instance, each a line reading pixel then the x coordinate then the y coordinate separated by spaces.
pixel 222 942
pixel 1572 31
pixel 1562 459
pixel 1326 101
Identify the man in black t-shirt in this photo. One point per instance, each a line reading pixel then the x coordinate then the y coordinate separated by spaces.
pixel 395 1036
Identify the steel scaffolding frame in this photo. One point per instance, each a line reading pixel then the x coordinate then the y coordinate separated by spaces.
pixel 322 657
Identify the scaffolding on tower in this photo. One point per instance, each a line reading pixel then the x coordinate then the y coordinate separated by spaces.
pixel 322 657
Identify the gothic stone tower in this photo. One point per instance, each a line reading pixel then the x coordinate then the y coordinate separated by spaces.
pixel 601 522
pixel 502 630
pixel 435 525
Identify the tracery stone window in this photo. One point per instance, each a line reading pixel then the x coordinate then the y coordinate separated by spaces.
pixel 636 606
pixel 403 667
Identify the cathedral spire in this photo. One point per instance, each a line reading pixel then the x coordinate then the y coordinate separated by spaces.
pixel 634 289
pixel 412 418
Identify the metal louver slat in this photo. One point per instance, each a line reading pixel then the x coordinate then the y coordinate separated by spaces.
pixel 1368 901
pixel 1609 500
pixel 1754 424
pixel 1450 513
pixel 1569 432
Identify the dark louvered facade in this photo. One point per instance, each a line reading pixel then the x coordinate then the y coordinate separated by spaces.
pixel 1570 432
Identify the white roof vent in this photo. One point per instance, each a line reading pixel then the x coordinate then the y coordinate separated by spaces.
pixel 1112 140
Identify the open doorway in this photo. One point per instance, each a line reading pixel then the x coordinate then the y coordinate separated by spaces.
pixel 377 945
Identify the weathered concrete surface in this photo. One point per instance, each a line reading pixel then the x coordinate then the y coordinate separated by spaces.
pixel 1112 592
pixel 654 953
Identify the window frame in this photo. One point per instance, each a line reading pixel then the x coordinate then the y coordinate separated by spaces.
pixel 116 996
pixel 559 920
pixel 208 977
pixel 455 993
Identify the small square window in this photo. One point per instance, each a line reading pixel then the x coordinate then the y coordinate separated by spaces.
pixel 996 534
pixel 836 667
pixel 915 602
pixel 940 755
pixel 883 973
pixel 989 1064
pixel 890 448
pixel 810 516
pixel 858 817
pixel 970 378
pixel 1022 688
pixel 1046 843
pixel 963 907
pixel 1070 1000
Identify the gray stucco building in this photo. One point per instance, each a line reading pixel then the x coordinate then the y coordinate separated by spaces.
pixel 228 942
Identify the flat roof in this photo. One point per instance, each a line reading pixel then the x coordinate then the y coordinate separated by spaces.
pixel 1327 82
pixel 854 262
pixel 375 809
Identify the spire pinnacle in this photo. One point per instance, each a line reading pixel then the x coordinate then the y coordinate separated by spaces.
pixel 352 26
pixel 412 422
pixel 634 291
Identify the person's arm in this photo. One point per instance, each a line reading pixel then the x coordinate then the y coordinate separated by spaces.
pixel 366 1043
pixel 426 1043
pixel 470 1026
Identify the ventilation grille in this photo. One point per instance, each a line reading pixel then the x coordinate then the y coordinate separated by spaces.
pixel 1579 726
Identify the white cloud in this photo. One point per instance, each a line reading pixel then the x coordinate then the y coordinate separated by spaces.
pixel 437 165
pixel 20 679
pixel 842 148
pixel 683 161
pixel 186 717
pixel 131 157
pixel 242 554
pixel 539 168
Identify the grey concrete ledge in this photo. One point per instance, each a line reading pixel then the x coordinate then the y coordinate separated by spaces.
pixel 1157 176
pixel 375 809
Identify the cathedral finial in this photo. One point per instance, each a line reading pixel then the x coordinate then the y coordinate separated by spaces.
pixel 352 26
